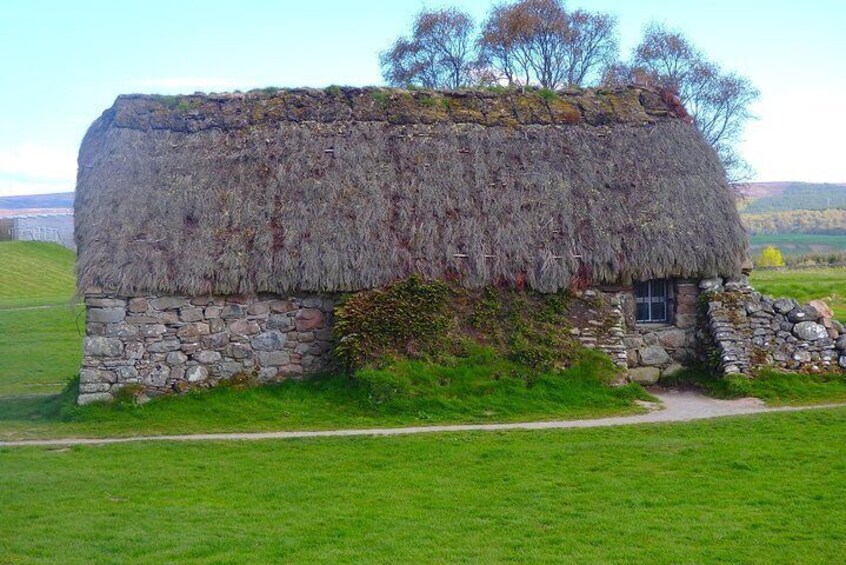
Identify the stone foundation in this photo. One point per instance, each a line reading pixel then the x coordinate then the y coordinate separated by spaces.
pixel 750 331
pixel 161 344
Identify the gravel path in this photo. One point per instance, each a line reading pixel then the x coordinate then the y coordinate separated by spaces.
pixel 678 406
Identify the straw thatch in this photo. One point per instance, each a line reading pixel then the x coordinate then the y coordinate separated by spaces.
pixel 344 189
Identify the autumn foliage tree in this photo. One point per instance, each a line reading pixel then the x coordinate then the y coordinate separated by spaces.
pixel 770 257
pixel 439 53
pixel 718 100
pixel 541 42
pixel 524 42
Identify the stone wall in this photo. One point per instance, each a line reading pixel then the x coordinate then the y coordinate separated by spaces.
pixel 600 323
pixel 652 350
pixel 161 344
pixel 749 331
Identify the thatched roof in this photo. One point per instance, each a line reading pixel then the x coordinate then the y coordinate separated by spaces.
pixel 343 189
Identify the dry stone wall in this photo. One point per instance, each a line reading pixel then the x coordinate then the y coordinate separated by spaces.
pixel 160 344
pixel 602 324
pixel 750 331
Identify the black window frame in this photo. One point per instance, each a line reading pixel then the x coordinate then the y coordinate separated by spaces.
pixel 656 294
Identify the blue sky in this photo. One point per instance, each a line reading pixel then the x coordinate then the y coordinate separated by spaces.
pixel 63 63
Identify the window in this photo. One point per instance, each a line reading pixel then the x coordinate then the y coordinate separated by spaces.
pixel 652 301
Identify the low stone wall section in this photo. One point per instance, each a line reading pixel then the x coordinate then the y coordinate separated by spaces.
pixel 160 344
pixel 750 331
pixel 601 324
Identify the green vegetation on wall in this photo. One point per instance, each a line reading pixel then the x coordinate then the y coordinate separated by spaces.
pixel 407 318
pixel 416 319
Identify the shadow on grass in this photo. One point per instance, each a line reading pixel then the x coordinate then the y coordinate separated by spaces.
pixel 772 386
pixel 37 407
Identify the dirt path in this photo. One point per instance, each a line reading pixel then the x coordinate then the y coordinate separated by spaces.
pixel 678 406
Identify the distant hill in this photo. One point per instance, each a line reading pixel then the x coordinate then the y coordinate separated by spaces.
pixel 764 198
pixel 61 202
pixel 58 200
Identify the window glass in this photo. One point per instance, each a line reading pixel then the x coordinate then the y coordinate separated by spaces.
pixel 659 311
pixel 651 301
pixel 658 288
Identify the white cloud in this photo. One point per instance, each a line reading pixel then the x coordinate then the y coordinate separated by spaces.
pixel 32 168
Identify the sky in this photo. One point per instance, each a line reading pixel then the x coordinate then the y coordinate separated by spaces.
pixel 63 63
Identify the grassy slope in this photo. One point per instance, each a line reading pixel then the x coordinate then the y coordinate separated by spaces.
pixel 805 285
pixel 40 331
pixel 763 489
pixel 476 389
pixel 35 274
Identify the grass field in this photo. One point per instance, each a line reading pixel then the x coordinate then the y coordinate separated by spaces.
pixel 828 284
pixel 799 243
pixel 764 489
pixel 40 329
pixel 35 274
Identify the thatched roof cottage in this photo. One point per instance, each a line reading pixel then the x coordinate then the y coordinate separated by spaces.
pixel 214 230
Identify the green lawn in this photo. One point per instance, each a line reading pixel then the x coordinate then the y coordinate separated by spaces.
pixel 764 489
pixel 481 388
pixel 35 274
pixel 828 284
pixel 40 329
pixel 40 349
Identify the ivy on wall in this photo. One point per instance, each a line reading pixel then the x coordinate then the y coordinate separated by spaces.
pixel 416 318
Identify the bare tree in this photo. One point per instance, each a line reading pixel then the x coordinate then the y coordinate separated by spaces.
pixel 440 53
pixel 717 100
pixel 592 40
pixel 540 41
pixel 503 46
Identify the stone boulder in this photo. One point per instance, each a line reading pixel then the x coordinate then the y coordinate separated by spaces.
pixel 269 341
pixel 822 308
pixel 645 375
pixel 672 370
pixel 672 339
pixel 97 346
pixel 784 305
pixel 810 331
pixel 653 355
pixel 197 374
pixel 106 315
pixel 798 315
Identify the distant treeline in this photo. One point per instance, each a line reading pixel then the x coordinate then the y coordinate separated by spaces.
pixel 800 196
pixel 829 222
pixel 816 260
